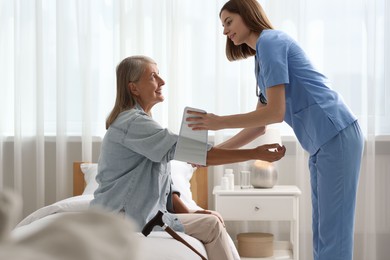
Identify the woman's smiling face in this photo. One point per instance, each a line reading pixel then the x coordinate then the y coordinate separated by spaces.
pixel 234 27
pixel 148 89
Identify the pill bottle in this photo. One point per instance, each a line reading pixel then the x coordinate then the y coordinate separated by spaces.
pixel 229 174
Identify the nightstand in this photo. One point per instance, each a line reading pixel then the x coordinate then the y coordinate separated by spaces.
pixel 280 203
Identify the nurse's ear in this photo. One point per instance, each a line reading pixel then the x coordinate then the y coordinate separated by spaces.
pixel 133 89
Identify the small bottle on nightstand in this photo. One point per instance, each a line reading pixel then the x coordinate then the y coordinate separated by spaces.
pixel 229 174
pixel 225 183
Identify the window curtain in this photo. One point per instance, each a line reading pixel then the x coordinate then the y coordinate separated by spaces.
pixel 57 80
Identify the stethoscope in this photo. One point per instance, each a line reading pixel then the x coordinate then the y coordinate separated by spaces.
pixel 260 95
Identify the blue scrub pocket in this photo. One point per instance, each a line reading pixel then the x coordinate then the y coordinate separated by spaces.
pixel 313 127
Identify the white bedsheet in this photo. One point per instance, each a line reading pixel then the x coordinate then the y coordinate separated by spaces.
pixel 158 245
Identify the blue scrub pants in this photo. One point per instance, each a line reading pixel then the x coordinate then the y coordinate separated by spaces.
pixel 334 171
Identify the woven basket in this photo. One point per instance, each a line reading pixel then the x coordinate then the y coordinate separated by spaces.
pixel 255 244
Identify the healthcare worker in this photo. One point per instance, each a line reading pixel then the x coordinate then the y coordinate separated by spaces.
pixel 134 171
pixel 290 88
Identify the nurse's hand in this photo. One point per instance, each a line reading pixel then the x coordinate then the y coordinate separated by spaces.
pixel 203 121
pixel 269 152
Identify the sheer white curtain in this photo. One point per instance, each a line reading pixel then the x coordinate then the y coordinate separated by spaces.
pixel 57 80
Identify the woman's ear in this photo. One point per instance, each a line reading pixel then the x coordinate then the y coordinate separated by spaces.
pixel 133 89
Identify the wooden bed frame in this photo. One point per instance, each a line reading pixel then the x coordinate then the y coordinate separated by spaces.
pixel 199 184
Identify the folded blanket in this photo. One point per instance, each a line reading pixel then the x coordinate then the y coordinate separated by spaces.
pixel 87 235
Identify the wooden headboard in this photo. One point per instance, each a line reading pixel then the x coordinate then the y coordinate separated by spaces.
pixel 199 184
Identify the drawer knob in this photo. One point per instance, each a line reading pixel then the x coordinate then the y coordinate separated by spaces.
pixel 257 208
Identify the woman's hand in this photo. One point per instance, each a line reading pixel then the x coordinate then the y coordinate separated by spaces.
pixel 269 152
pixel 203 211
pixel 204 121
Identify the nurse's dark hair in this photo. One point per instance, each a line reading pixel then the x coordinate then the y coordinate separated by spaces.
pixel 254 18
pixel 128 70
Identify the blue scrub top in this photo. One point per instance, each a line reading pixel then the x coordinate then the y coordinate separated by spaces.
pixel 315 112
pixel 134 171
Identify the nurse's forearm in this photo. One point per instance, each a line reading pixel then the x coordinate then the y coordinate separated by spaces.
pixel 271 113
pixel 260 117
pixel 244 137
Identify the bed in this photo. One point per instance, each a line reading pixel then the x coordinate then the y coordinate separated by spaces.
pixel 193 186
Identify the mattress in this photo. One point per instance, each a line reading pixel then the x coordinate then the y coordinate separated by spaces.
pixel 158 245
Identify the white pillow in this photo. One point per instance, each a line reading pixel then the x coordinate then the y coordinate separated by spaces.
pixel 181 173
pixel 90 172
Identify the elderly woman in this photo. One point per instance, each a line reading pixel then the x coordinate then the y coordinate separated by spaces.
pixel 134 170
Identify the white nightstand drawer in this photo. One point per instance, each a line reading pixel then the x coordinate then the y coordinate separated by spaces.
pixel 256 207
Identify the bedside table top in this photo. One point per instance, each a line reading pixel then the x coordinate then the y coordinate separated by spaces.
pixel 276 190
